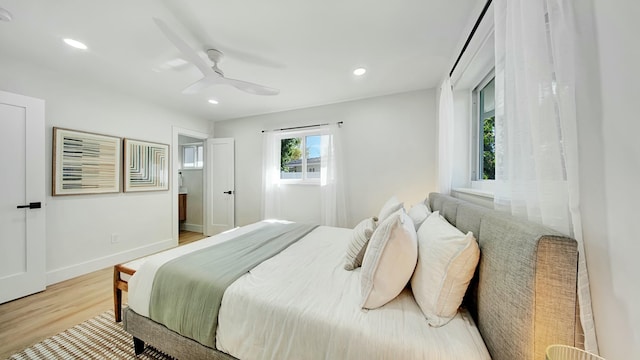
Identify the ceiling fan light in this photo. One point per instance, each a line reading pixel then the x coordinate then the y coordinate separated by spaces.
pixel 359 71
pixel 75 43
pixel 213 101
pixel 177 62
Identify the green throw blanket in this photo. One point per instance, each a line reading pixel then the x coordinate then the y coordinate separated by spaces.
pixel 187 291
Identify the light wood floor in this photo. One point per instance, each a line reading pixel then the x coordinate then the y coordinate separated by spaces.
pixel 31 319
pixel 189 236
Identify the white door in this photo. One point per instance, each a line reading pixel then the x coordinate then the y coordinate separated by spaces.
pixel 220 186
pixel 22 195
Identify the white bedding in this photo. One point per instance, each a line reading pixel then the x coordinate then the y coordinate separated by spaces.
pixel 302 304
pixel 139 293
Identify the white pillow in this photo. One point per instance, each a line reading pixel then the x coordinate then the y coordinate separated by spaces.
pixel 392 205
pixel 358 244
pixel 389 260
pixel 426 203
pixel 447 260
pixel 419 213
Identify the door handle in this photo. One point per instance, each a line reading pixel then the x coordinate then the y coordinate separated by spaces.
pixel 228 192
pixel 33 205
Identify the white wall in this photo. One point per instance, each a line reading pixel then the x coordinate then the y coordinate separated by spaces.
pixel 389 147
pixel 79 227
pixel 608 92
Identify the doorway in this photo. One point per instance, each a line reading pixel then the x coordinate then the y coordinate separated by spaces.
pixel 191 184
pixel 188 182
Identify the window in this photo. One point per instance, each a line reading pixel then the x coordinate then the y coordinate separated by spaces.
pixel 192 156
pixel 300 157
pixel 484 122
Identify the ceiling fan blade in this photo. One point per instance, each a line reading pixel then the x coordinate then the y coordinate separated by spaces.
pixel 251 88
pixel 211 76
pixel 202 84
pixel 185 49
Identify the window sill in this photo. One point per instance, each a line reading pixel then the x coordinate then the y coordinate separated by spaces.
pixel 190 169
pixel 303 183
pixel 483 198
pixel 482 193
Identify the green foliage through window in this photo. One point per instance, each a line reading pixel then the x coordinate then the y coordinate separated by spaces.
pixel 487 126
pixel 489 150
pixel 301 157
pixel 289 151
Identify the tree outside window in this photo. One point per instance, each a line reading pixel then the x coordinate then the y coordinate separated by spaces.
pixel 487 146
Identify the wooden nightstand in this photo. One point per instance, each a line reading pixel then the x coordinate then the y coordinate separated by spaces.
pixel 182 207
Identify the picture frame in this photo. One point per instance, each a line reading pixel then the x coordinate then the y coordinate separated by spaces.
pixel 85 163
pixel 146 166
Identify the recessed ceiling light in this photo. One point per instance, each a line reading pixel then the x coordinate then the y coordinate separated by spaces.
pixel 213 101
pixel 359 71
pixel 76 44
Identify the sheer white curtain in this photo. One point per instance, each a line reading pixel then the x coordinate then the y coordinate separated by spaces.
pixel 536 134
pixel 333 210
pixel 445 137
pixel 270 176
pixel 332 187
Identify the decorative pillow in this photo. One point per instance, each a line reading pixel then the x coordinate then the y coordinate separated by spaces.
pixel 358 244
pixel 426 203
pixel 389 260
pixel 419 213
pixel 447 259
pixel 392 205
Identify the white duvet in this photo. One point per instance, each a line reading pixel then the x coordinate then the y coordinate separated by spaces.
pixel 302 304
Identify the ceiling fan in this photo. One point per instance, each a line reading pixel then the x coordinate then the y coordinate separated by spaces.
pixel 212 74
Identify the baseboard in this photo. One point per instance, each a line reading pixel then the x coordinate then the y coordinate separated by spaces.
pixel 69 272
pixel 191 227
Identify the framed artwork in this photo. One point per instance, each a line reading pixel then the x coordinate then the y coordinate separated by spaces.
pixel 146 166
pixel 85 163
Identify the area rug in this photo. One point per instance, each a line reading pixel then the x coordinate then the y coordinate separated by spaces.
pixel 97 338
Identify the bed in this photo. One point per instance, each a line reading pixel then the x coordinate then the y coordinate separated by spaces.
pixel 301 303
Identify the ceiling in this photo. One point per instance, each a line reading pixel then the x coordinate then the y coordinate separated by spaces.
pixel 307 49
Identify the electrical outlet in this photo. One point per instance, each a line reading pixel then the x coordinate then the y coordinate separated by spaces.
pixel 115 238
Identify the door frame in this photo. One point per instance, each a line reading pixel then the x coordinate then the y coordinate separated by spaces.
pixel 175 148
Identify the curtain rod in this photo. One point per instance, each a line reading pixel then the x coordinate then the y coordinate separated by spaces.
pixel 304 127
pixel 473 31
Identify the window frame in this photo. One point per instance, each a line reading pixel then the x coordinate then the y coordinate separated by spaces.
pixel 300 134
pixel 196 147
pixel 477 140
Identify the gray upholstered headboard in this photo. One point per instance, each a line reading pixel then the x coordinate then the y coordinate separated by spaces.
pixel 523 296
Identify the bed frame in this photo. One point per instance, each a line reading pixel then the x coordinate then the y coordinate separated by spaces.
pixel 522 297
